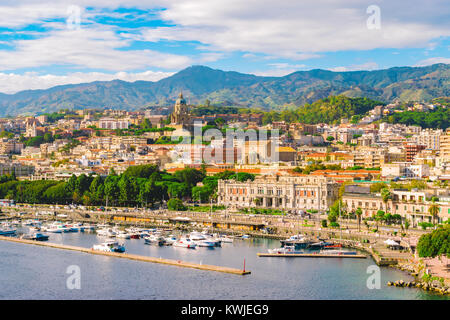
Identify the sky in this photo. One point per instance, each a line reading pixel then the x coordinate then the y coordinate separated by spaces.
pixel 46 43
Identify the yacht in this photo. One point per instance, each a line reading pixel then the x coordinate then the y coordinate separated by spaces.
pixel 319 245
pixel 225 239
pixel 338 252
pixel 57 227
pixel 106 232
pixel 185 243
pixel 28 222
pixel 7 231
pixel 109 246
pixel 170 240
pixel 298 240
pixel 285 250
pixel 87 227
pixel 123 235
pixel 36 236
pixel 154 239
pixel 201 240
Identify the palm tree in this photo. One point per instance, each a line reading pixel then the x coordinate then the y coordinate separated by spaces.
pixel 385 195
pixel 406 226
pixel 433 210
pixel 379 216
pixel 358 213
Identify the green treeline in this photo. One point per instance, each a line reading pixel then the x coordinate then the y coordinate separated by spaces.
pixel 437 119
pixel 142 185
pixel 435 243
pixel 329 110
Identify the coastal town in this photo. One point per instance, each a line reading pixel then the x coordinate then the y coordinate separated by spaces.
pixel 362 182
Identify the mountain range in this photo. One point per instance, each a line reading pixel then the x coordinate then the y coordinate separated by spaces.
pixel 200 83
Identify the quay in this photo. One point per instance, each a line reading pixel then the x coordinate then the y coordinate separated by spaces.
pixel 310 255
pixel 171 262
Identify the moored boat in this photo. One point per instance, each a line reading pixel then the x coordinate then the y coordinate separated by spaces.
pixel 338 252
pixel 154 239
pixel 107 232
pixel 7 231
pixel 298 240
pixel 285 250
pixel 36 236
pixel 185 243
pixel 109 246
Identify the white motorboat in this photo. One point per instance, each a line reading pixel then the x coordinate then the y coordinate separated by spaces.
pixel 337 252
pixel 225 239
pixel 36 236
pixel 52 229
pixel 57 227
pixel 106 232
pixel 109 246
pixel 185 243
pixel 154 239
pixel 201 240
pixel 28 222
pixel 298 240
pixel 87 227
pixel 285 250
pixel 7 231
pixel 170 240
pixel 123 235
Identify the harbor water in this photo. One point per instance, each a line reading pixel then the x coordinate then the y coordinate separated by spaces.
pixel 34 272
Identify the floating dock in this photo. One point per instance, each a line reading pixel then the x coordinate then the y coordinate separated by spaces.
pixel 311 255
pixel 171 262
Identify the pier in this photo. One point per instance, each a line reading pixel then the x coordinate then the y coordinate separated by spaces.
pixel 311 255
pixel 171 262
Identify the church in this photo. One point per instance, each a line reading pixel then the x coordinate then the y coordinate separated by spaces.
pixel 180 117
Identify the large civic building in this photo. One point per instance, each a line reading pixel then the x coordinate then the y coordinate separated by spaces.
pixel 293 193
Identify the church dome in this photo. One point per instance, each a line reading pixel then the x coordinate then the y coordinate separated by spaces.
pixel 180 99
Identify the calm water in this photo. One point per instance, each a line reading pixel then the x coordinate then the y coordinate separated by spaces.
pixel 33 272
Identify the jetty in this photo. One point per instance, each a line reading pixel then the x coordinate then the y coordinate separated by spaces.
pixel 171 262
pixel 311 255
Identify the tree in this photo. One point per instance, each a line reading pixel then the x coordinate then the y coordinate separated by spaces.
pixel 385 195
pixel 146 124
pixel 435 243
pixel 176 204
pixel 379 216
pixel 358 213
pixel 433 210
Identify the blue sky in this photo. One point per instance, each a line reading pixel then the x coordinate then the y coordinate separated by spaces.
pixel 42 44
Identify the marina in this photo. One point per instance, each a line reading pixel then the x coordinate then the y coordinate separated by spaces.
pixel 104 249
pixel 305 278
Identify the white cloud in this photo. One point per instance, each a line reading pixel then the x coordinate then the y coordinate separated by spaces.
pixel 279 69
pixel 431 61
pixel 95 48
pixel 300 29
pixel 12 83
pixel 357 67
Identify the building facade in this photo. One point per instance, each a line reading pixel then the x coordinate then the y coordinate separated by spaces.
pixel 280 192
